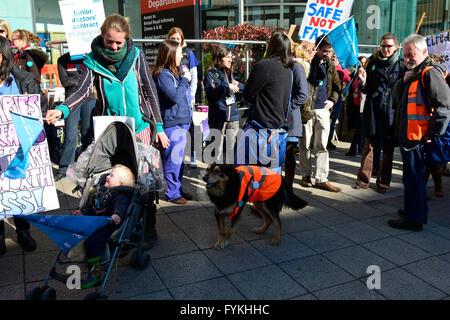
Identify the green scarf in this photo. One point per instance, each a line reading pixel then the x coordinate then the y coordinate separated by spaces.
pixel 109 59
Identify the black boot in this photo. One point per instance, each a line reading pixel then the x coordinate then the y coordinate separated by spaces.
pixel 150 233
pixel 2 245
pixel 25 240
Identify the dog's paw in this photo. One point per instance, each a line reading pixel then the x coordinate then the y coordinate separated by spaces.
pixel 221 244
pixel 276 242
pixel 259 230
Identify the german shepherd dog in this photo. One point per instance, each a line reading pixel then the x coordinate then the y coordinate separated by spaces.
pixel 223 185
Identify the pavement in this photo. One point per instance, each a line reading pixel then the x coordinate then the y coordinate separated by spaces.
pixel 328 249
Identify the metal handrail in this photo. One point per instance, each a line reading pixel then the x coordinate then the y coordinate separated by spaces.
pixel 60 44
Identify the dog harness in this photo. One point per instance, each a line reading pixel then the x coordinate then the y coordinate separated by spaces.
pixel 257 184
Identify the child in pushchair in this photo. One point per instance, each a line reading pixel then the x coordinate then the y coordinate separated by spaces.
pixel 95 174
pixel 110 199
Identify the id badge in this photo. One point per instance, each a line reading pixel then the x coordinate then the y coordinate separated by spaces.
pixel 230 100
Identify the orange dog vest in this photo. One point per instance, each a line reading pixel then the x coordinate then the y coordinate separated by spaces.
pixel 257 184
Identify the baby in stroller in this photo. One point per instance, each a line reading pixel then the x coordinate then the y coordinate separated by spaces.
pixel 109 199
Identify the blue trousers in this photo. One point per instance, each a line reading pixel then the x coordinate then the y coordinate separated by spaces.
pixel 71 133
pixel 172 160
pixel 415 194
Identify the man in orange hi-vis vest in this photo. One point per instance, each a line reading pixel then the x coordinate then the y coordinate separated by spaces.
pixel 423 100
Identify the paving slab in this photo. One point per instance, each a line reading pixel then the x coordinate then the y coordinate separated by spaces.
pixel 396 251
pixel 214 289
pixel 433 270
pixel 353 290
pixel 398 284
pixel 266 283
pixel 237 258
pixel 323 239
pixel 316 272
pixel 185 268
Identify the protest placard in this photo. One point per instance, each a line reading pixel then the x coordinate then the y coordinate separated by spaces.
pixel 439 44
pixel 82 20
pixel 321 16
pixel 36 192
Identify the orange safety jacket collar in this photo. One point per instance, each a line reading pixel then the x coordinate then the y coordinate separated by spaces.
pixel 257 184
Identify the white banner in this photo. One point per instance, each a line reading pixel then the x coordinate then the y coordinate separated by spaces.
pixel 321 16
pixel 82 20
pixel 37 191
pixel 439 44
pixel 102 122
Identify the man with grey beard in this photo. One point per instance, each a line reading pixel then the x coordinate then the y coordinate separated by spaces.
pixel 423 100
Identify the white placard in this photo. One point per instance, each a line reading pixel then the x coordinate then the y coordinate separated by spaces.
pixel 82 20
pixel 439 44
pixel 321 16
pixel 102 122
pixel 36 192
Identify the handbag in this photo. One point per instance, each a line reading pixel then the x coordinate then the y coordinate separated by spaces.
pixel 278 136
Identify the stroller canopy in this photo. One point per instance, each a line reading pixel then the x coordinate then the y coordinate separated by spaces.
pixel 116 145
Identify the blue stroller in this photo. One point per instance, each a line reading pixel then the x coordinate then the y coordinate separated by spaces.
pixel 116 145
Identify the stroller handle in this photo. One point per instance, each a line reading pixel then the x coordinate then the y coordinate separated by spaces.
pixel 153 128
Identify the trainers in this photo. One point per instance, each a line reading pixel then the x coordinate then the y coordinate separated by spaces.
pixel 59 175
pixel 94 276
pixel 2 245
pixel 25 240
pixel 306 182
pixel 405 224
pixel 327 186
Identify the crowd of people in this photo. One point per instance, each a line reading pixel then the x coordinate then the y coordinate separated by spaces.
pixel 294 97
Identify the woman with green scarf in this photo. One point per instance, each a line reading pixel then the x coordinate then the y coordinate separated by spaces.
pixel 120 74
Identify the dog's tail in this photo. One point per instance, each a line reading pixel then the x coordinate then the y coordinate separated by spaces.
pixel 291 200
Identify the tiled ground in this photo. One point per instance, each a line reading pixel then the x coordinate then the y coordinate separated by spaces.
pixel 325 251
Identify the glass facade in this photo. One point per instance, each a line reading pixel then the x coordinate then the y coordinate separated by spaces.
pixel 373 18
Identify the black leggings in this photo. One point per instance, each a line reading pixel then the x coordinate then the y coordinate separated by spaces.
pixel 20 225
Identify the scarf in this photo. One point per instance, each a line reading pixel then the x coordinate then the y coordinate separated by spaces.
pixel 391 60
pixel 118 62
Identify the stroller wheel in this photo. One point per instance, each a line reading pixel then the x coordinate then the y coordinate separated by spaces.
pixel 94 296
pixel 34 294
pixel 140 261
pixel 49 294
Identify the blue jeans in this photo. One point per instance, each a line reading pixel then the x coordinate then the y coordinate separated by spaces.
pixel 71 133
pixel 172 159
pixel 415 194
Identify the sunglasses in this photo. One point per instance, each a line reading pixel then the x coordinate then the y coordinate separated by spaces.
pixel 2 31
pixel 387 46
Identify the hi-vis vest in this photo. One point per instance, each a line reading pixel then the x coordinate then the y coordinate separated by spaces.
pixel 418 115
pixel 257 184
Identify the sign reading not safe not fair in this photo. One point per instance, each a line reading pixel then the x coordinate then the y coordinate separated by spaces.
pixel 321 16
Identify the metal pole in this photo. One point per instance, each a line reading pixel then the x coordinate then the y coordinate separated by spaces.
pixel 247 62
pixel 241 11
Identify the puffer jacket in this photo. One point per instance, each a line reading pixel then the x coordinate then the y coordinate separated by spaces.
pixel 32 60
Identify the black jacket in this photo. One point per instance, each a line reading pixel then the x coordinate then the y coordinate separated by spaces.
pixel 438 94
pixel 27 85
pixel 69 73
pixel 379 109
pixel 298 99
pixel 217 90
pixel 267 91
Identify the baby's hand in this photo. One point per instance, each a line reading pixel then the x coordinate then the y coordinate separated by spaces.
pixel 115 218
